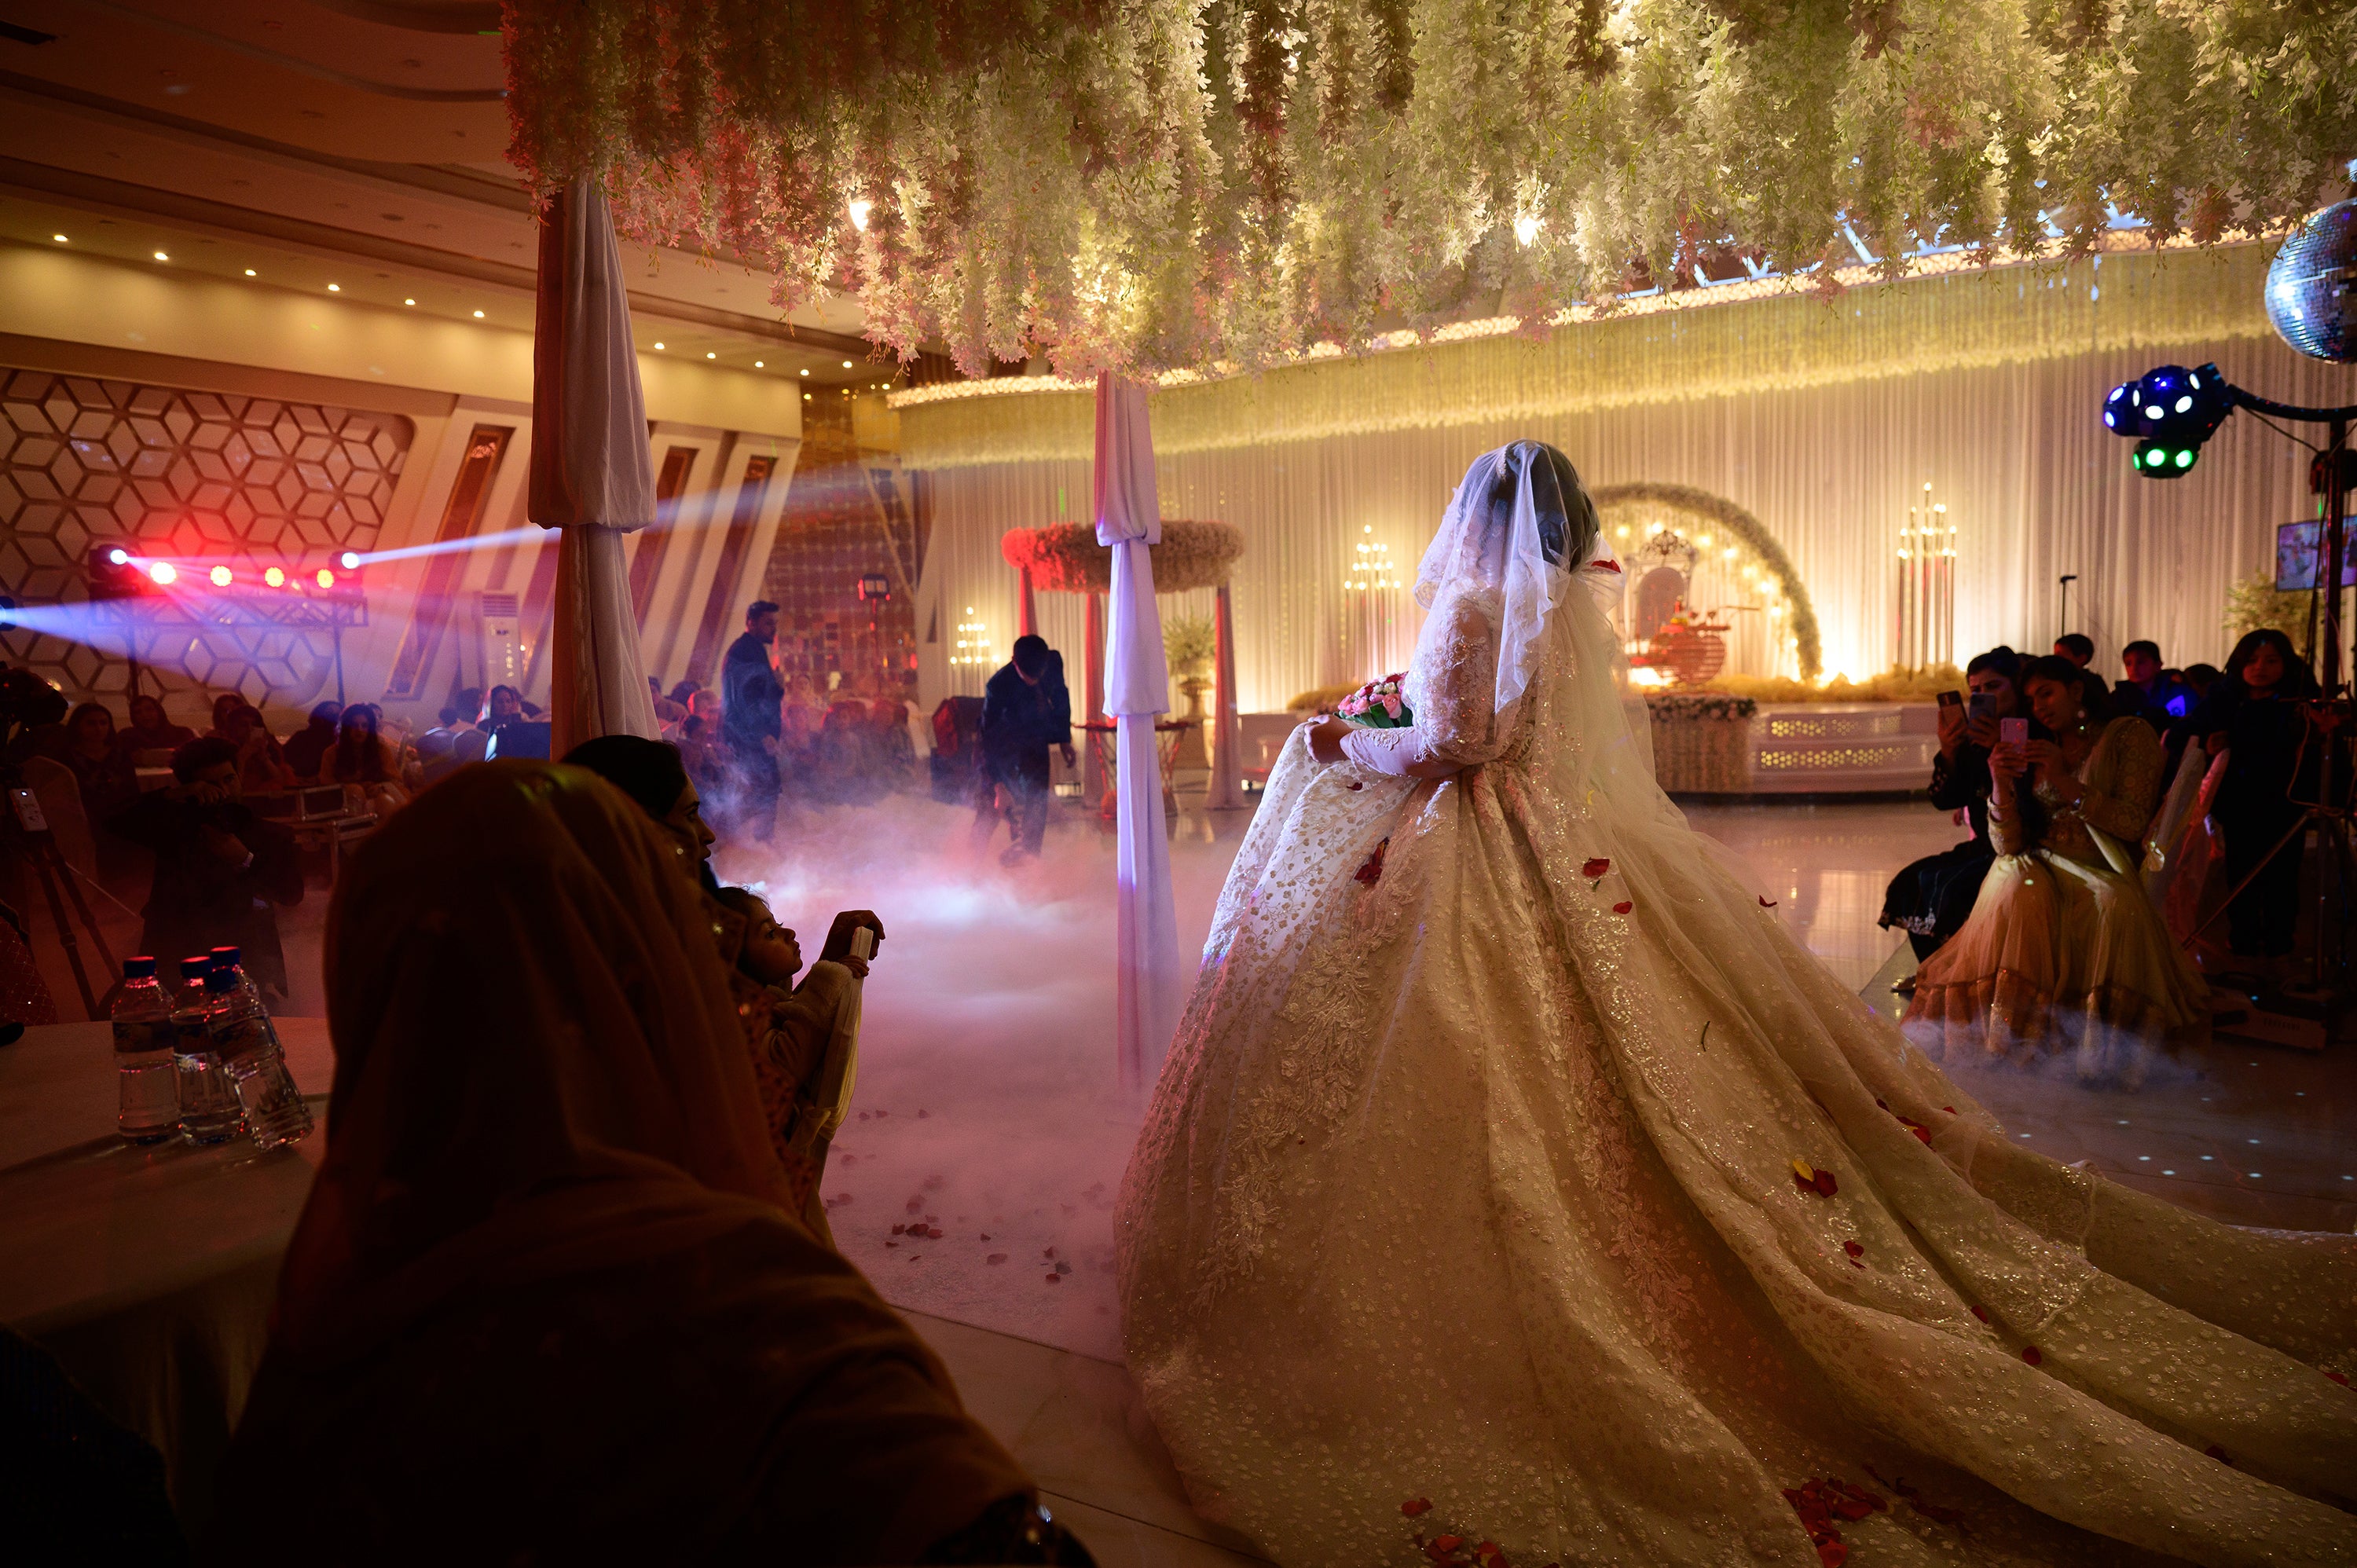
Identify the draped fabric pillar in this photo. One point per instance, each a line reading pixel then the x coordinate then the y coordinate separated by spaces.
pixel 592 476
pixel 1138 689
pixel 1226 789
pixel 1092 699
pixel 1027 618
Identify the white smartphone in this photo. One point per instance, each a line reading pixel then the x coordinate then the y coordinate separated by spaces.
pixel 863 943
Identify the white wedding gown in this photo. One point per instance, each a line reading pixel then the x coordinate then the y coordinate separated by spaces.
pixel 1470 1177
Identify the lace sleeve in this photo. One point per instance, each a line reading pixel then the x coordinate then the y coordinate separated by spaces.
pixel 2122 787
pixel 1456 717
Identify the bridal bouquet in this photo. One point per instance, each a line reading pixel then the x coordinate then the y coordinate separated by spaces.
pixel 1378 705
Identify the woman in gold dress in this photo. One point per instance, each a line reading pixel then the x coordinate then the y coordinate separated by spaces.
pixel 2064 950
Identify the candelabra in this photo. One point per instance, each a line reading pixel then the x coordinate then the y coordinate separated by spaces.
pixel 1925 622
pixel 1373 587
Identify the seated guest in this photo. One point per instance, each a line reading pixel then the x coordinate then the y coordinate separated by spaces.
pixel 2157 694
pixel 365 763
pixel 804 1041
pixel 547 1297
pixel 2077 646
pixel 1931 899
pixel 305 748
pixel 107 780
pixel 219 867
pixel 151 730
pixel 652 774
pixel 260 764
pixel 2253 719
pixel 684 693
pixel 225 705
pixel 2201 676
pixel 502 706
pixel 2063 950
pixel 455 742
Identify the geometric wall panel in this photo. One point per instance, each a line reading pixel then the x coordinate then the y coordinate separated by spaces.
pixel 249 482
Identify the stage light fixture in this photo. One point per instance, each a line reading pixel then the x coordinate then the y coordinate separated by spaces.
pixel 221 576
pixel 2170 412
pixel 163 572
pixel 325 578
pixel 118 556
pixel 350 561
pixel 274 577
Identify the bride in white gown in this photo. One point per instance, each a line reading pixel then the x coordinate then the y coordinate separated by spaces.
pixel 1476 1175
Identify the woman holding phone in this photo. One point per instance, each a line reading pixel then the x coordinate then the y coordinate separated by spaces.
pixel 1931 899
pixel 2063 950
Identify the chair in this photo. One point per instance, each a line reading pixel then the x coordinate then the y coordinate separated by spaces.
pixel 54 786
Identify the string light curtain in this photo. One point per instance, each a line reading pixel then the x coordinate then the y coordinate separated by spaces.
pixel 1153 184
pixel 2016 449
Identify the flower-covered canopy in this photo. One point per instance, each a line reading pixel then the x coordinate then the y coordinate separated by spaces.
pixel 1149 185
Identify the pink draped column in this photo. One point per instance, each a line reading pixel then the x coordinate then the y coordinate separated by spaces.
pixel 1226 789
pixel 592 477
pixel 1138 690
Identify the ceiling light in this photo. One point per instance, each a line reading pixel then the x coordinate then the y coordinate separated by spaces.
pixel 479 316
pixel 805 370
pixel 60 239
pixel 658 348
pixel 162 257
pixel 756 364
pixel 221 576
pixel 711 356
pixel 846 364
pixel 860 207
pixel 335 288
pixel 409 302
pixel 274 576
pixel 249 272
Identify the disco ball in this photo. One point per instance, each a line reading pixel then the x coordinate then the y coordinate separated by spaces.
pixel 2312 285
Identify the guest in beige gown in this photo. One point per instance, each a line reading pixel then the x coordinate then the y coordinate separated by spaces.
pixel 2064 950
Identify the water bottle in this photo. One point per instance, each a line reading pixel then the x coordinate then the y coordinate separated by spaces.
pixel 147 1093
pixel 209 1113
pixel 248 1047
pixel 226 958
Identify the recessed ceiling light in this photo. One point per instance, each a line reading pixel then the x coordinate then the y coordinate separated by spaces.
pixel 60 239
pixel 162 257
pixel 846 364
pixel 409 302
pixel 249 272
pixel 711 356
pixel 658 348
pixel 756 364
pixel 479 316
pixel 805 370
pixel 335 288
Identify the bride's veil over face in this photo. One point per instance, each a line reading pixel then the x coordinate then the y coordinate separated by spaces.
pixel 1520 533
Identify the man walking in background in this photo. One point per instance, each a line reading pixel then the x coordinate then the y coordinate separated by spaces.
pixel 750 693
pixel 1026 709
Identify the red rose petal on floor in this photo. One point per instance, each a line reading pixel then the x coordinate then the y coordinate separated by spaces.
pixel 1622 908
pixel 1416 1506
pixel 1596 868
pixel 1833 1554
pixel 1766 903
pixel 2030 1353
pixel 1825 1183
pixel 2217 1454
pixel 1949 1109
pixel 2337 1379
pixel 1055 1279
pixel 1804 1183
pixel 1448 1543
pixel 1854 1250
pixel 1980 1312
pixel 1856 1264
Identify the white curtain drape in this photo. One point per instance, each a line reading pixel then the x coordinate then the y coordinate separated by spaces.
pixel 1137 691
pixel 2036 485
pixel 592 476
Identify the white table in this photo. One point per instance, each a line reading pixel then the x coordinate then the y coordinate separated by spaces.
pixel 148 1273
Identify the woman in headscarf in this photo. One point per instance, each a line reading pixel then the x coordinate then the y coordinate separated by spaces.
pixel 544 1302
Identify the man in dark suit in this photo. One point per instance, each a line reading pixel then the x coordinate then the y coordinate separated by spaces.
pixel 219 867
pixel 749 694
pixel 1026 709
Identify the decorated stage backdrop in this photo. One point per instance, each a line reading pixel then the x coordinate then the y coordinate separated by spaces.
pixel 1821 419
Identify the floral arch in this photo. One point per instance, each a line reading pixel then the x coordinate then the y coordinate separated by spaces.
pixel 1633 515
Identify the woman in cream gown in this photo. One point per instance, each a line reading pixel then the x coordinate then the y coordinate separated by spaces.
pixel 1472 1176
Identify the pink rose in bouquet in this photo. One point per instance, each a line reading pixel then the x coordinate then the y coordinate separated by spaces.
pixel 1378 705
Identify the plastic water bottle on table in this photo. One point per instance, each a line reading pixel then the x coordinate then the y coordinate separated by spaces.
pixel 248 1044
pixel 147 1090
pixel 208 1108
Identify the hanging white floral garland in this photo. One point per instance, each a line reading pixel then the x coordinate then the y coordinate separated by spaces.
pixel 1151 184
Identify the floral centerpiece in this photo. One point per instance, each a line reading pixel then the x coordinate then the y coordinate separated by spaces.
pixel 1378 705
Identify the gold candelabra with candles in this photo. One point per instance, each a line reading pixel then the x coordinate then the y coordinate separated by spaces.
pixel 972 643
pixel 1373 586
pixel 1925 622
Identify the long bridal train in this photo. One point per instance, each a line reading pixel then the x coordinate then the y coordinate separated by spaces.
pixel 1512 1157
